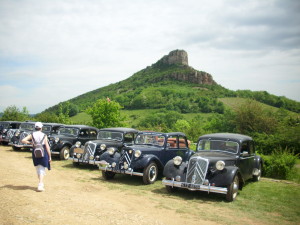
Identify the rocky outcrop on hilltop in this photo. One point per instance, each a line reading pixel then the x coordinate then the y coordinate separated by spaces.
pixel 180 57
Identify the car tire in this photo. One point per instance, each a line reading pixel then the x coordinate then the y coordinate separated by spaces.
pixel 232 189
pixel 64 153
pixel 150 173
pixel 107 175
pixel 257 177
pixel 16 148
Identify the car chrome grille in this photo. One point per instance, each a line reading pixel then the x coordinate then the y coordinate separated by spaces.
pixel 126 158
pixel 89 150
pixel 10 133
pixel 197 170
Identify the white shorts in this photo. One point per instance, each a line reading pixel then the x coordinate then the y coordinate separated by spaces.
pixel 40 170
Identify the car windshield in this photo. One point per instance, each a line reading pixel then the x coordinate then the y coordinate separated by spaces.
pixel 110 135
pixel 150 139
pixel 217 145
pixel 27 126
pixel 46 128
pixel 68 131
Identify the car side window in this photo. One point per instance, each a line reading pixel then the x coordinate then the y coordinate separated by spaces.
pixel 93 134
pixel 84 133
pixel 128 138
pixel 251 148
pixel 182 142
pixel 245 147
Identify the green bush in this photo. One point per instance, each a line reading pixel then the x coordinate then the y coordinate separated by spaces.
pixel 279 164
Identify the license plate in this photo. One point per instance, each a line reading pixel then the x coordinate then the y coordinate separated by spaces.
pixel 78 150
pixel 191 186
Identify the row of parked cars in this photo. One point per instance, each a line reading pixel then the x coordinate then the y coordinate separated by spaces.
pixel 222 162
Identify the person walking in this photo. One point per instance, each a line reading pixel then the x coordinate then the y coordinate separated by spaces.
pixel 40 163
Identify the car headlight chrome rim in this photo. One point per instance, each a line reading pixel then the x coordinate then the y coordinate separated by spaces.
pixel 177 160
pixel 103 147
pixel 137 153
pixel 111 151
pixel 220 165
pixel 77 144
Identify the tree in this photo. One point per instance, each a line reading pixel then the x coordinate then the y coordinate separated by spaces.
pixel 13 113
pixel 105 114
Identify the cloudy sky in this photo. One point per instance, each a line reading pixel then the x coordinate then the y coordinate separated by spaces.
pixel 54 50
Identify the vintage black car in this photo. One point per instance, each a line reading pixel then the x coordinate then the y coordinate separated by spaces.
pixel 222 164
pixel 7 130
pixel 27 128
pixel 89 153
pixel 67 136
pixel 146 157
pixel 24 130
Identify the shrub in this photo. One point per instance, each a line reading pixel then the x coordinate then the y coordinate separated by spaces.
pixel 279 164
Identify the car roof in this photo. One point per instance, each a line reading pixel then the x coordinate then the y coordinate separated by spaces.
pixel 10 122
pixel 79 126
pixel 120 129
pixel 226 136
pixel 54 124
pixel 167 134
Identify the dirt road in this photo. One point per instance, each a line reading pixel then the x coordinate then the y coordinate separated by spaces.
pixel 78 196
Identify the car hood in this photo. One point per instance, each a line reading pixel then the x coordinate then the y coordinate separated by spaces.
pixel 144 148
pixel 108 143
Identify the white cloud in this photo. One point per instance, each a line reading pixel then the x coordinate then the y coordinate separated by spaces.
pixel 61 49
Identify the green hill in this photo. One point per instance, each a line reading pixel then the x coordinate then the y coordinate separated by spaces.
pixel 172 84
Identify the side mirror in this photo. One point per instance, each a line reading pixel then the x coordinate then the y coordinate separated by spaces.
pixel 245 153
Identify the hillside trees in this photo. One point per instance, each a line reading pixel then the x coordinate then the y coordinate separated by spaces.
pixel 15 114
pixel 105 114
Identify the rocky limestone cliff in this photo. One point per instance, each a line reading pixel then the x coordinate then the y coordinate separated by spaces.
pixel 180 57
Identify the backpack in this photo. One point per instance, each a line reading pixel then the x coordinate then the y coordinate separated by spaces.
pixel 38 149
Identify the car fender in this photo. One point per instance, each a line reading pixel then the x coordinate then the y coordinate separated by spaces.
pixel 110 158
pixel 145 160
pixel 225 177
pixel 257 161
pixel 171 171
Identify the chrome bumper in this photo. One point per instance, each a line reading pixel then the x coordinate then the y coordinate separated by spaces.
pixel 92 162
pixel 194 187
pixel 129 172
pixel 22 146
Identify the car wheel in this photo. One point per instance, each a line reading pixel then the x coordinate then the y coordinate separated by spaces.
pixel 16 148
pixel 258 176
pixel 232 189
pixel 169 188
pixel 107 175
pixel 64 153
pixel 150 173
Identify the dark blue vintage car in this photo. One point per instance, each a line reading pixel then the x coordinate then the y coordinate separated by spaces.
pixel 222 164
pixel 89 153
pixel 146 157
pixel 7 130
pixel 67 136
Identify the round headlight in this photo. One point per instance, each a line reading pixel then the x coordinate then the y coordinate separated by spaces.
pixel 77 144
pixel 220 165
pixel 91 157
pixel 103 147
pixel 113 164
pixel 177 160
pixel 137 153
pixel 56 139
pixel 111 151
